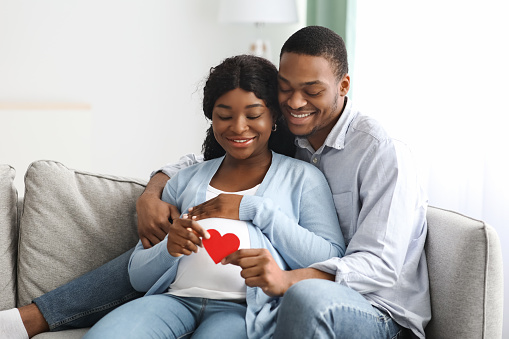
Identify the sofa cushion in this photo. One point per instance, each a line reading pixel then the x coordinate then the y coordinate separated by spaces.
pixel 72 222
pixel 466 277
pixel 8 237
pixel 67 334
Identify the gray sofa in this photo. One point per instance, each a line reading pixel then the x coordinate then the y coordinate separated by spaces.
pixel 71 221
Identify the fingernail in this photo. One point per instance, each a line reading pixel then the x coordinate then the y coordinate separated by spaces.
pixel 190 209
pixel 185 216
pixel 207 235
pixel 194 217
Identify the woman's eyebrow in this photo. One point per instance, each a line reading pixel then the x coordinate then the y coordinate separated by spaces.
pixel 254 105
pixel 223 106
pixel 248 106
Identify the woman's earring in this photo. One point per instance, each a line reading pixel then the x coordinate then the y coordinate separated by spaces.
pixel 274 128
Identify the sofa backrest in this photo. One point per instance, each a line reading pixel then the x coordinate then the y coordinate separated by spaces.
pixel 8 237
pixel 72 222
pixel 466 277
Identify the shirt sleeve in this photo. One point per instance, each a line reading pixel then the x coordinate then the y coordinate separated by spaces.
pixel 316 236
pixel 171 169
pixel 389 226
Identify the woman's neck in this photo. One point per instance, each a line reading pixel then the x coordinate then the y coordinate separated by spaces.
pixel 236 175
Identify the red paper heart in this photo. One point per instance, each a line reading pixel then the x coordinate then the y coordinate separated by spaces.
pixel 219 246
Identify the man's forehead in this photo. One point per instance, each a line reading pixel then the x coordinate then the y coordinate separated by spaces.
pixel 304 69
pixel 291 57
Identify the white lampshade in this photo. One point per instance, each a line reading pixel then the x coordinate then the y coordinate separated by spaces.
pixel 258 11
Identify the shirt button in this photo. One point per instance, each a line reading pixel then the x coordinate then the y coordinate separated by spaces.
pixel 315 160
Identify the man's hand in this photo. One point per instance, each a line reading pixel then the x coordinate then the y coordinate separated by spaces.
pixel 154 219
pixel 154 215
pixel 184 237
pixel 259 269
pixel 223 206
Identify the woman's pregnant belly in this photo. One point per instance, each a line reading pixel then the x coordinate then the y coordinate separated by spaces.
pixel 199 276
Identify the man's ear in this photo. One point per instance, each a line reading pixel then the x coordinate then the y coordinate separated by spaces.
pixel 344 85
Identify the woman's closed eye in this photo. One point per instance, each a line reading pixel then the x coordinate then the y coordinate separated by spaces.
pixel 224 117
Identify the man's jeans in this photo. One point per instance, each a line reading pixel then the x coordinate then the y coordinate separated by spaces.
pixel 83 301
pixel 324 309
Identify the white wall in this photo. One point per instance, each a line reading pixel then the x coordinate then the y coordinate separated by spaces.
pixel 138 64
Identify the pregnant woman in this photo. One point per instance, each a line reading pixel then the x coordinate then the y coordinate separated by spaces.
pixel 214 278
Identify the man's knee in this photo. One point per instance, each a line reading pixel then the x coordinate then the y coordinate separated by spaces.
pixel 318 295
pixel 310 292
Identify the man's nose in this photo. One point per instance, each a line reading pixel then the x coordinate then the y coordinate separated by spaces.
pixel 296 100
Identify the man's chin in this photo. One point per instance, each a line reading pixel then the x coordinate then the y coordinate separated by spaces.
pixel 301 131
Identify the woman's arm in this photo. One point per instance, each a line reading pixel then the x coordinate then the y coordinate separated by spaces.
pixel 146 266
pixel 259 269
pixel 302 240
pixel 315 234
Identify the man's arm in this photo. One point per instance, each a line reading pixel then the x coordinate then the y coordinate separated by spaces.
pixel 390 227
pixel 154 214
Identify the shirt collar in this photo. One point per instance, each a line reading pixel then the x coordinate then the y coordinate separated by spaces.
pixel 336 137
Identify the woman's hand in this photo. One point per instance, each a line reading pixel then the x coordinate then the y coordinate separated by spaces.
pixel 259 269
pixel 223 206
pixel 184 237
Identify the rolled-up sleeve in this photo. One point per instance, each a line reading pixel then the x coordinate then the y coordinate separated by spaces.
pixel 185 161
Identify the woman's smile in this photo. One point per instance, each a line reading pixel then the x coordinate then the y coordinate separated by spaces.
pixel 240 141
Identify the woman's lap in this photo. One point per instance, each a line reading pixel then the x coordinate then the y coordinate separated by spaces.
pixel 167 316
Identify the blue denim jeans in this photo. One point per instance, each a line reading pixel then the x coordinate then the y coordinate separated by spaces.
pixel 83 301
pixel 166 316
pixel 324 309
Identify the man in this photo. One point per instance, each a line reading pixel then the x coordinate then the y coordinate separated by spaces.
pixel 380 286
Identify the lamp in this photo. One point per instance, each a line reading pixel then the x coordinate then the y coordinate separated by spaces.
pixel 259 12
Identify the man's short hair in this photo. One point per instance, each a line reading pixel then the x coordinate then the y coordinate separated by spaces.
pixel 319 41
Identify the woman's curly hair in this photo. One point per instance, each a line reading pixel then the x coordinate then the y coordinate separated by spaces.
pixel 252 74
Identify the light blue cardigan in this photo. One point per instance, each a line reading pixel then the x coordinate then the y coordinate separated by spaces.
pixel 292 214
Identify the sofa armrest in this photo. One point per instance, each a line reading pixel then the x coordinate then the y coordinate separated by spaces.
pixel 466 277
